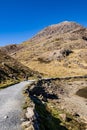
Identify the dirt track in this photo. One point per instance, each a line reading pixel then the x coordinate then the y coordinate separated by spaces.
pixel 11 100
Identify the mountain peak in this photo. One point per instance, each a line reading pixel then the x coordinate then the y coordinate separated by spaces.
pixel 48 52
pixel 60 28
pixel 66 23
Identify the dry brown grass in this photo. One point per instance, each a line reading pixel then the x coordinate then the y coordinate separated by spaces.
pixel 51 40
pixel 12 71
pixel 54 69
pixel 72 65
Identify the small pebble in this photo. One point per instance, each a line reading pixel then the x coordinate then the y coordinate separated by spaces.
pixel 5 117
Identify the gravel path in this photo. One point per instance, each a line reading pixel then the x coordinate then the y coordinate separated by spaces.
pixel 11 100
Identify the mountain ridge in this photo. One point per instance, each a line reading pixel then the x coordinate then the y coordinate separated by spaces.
pixel 49 51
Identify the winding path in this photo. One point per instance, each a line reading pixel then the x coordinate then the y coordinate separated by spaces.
pixel 11 100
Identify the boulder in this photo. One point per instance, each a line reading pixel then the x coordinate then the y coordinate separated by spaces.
pixel 30 128
pixel 76 115
pixel 30 113
pixel 25 124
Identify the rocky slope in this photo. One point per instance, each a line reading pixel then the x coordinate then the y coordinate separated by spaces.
pixel 54 104
pixel 11 70
pixel 58 50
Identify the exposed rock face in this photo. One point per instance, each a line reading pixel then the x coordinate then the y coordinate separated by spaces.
pixel 60 28
pixel 9 48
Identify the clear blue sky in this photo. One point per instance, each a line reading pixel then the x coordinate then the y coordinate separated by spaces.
pixel 21 19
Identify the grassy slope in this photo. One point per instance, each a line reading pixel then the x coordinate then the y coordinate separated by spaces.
pixel 44 46
pixel 69 66
pixel 51 40
pixel 11 71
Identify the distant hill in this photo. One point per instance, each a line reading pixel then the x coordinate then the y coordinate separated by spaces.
pixel 58 50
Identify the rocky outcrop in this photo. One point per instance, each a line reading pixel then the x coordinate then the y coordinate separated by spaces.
pixel 30 118
pixel 51 109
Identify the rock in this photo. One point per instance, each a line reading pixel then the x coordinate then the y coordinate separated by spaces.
pixel 30 113
pixel 63 116
pixel 68 119
pixel 22 119
pixel 30 128
pixel 25 124
pixel 5 117
pixel 51 106
pixel 44 99
pixel 76 115
pixel 66 52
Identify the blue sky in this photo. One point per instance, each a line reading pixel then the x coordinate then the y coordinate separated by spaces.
pixel 21 19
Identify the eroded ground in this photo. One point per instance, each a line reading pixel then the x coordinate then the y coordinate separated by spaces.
pixel 57 106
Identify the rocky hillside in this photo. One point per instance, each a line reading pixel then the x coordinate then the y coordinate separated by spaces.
pixel 58 50
pixel 53 104
pixel 11 70
pixel 11 49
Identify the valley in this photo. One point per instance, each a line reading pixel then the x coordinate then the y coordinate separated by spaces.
pixel 56 58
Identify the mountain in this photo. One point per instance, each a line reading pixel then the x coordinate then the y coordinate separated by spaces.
pixel 12 71
pixel 58 50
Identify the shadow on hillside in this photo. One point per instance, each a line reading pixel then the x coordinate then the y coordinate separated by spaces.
pixel 44 118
